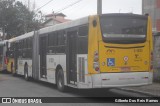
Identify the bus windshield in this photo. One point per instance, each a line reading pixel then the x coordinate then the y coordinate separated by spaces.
pixel 124 29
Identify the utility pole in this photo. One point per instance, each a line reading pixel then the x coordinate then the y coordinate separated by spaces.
pixel 99 7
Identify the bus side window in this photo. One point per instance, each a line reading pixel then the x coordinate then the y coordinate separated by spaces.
pixel 20 48
pixel 55 39
pixel 50 39
pixel 61 42
pixel 83 31
pixel 55 42
pixel 83 40
pixel 61 38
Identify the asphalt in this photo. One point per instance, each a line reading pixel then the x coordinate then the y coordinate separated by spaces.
pixel 151 90
pixel 18 84
pixel 17 87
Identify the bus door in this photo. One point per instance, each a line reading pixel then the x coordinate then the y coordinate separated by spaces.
pixel 71 57
pixel 43 53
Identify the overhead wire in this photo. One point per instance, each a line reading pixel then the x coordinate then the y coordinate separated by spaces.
pixel 60 4
pixel 68 6
pixel 81 8
pixel 44 5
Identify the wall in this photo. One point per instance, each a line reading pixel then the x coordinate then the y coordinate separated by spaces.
pixel 152 7
pixel 156 58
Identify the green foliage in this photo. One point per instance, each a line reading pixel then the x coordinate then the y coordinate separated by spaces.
pixel 16 19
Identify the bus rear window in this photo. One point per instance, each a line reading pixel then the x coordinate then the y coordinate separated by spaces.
pixel 124 29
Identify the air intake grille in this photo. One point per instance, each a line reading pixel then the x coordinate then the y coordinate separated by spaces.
pixel 81 64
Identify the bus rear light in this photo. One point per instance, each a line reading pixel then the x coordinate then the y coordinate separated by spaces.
pixel 96 59
pixel 96 66
pixel 96 53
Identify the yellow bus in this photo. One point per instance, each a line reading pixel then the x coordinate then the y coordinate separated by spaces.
pixel 3 59
pixel 10 58
pixel 110 50
pixel 6 61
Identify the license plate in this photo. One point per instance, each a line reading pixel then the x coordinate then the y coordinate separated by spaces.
pixel 125 69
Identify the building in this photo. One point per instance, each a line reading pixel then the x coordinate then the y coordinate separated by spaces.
pixel 152 7
pixel 54 18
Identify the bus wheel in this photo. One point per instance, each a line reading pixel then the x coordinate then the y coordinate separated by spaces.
pixel 60 80
pixel 26 72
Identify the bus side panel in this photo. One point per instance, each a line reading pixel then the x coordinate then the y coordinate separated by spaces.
pixel 92 44
pixel 21 64
pixel 94 31
pixel 52 62
pixel 150 39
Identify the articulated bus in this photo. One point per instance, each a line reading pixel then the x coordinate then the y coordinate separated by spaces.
pixel 3 59
pixel 99 51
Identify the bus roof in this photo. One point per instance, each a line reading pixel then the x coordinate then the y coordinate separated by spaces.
pixel 49 29
pixel 21 37
pixel 65 25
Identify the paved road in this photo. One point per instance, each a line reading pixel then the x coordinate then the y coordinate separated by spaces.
pixel 17 87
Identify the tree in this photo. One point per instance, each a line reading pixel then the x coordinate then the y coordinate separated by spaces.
pixel 16 19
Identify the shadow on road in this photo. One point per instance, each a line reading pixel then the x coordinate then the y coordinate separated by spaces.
pixel 81 92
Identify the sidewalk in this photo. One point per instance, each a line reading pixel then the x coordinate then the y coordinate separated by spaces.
pixel 152 90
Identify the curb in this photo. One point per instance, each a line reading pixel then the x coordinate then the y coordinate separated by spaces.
pixel 141 92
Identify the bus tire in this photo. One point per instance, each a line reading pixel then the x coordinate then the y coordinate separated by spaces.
pixel 26 72
pixel 60 81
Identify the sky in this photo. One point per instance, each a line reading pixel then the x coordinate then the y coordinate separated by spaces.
pixel 87 7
